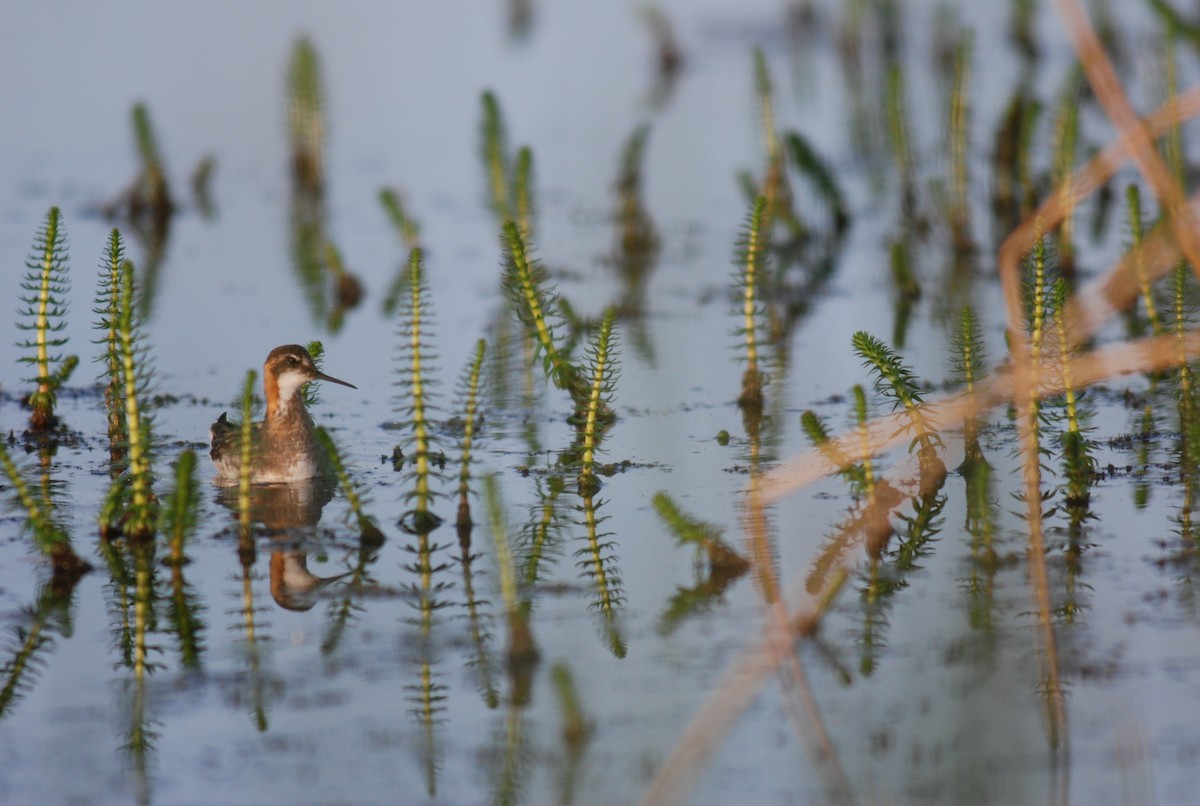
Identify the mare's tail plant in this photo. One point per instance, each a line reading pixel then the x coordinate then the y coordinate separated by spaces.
pixel 751 265
pixel 132 507
pixel 970 366
pixel 306 119
pixel 894 379
pixel 49 535
pixel 494 152
pixel 368 529
pixel 535 304
pixel 705 536
pixel 416 381
pixel 178 517
pixel 44 299
pixel 522 650
pixel 246 451
pixel 151 193
pixel 602 357
pixel 811 165
pixel 469 390
pixel 1077 448
pixel 110 357
pixel 1133 198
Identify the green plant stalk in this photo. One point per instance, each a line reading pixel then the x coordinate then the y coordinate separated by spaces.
pixel 1133 197
pixel 959 122
pixel 810 164
pixel 558 368
pixel 893 375
pixel 495 156
pixel 406 226
pixel 523 191
pixel 46 285
pixel 602 373
pixel 420 425
pixel 685 528
pixel 1070 394
pixel 142 515
pixel 464 465
pixel 109 316
pixel 1173 141
pixel 864 441
pixel 897 124
pixel 180 513
pixel 246 449
pixel 1067 137
pixel 772 188
pixel 752 264
pixel 505 566
pixel 350 489
pixel 48 536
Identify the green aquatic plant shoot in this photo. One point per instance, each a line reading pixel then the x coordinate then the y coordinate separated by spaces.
pixel 751 266
pixel 705 536
pixel 494 151
pixel 178 517
pixel 45 288
pixel 405 225
pixel 351 490
pixel 470 394
pixel 894 379
pixel 959 138
pixel 110 357
pixel 47 532
pixel 151 193
pixel 820 176
pixel 1133 198
pixel 534 301
pixel 522 649
pixel 306 117
pixel 141 507
pixel 246 451
pixel 523 178
pixel 416 381
pixel 602 358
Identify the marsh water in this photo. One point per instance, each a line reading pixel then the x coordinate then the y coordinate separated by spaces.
pixel 311 666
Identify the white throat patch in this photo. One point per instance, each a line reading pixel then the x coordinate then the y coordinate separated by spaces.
pixel 289 382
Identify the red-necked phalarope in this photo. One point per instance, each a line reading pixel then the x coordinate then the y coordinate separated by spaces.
pixel 285 449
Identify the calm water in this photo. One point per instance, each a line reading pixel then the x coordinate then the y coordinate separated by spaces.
pixel 333 688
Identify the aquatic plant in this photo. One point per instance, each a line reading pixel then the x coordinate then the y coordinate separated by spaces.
pixel 1133 199
pixel 178 516
pixel 521 649
pixel 246 454
pixel 534 301
pixel 151 192
pixel 1066 137
pixel 494 152
pixel 1078 458
pixel 177 521
pixel 351 490
pixel 960 211
pixel 45 287
pixel 131 507
pixel 821 177
pixel 405 225
pixel 894 380
pixel 469 392
pixel 31 638
pixel 602 366
pixel 306 116
pixel 705 536
pixel 417 400
pixel 970 367
pixel 108 311
pixel 751 264
pixel 49 535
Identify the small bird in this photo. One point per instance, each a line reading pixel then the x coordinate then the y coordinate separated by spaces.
pixel 284 447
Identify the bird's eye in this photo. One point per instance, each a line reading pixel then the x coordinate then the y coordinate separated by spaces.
pixel 293 360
